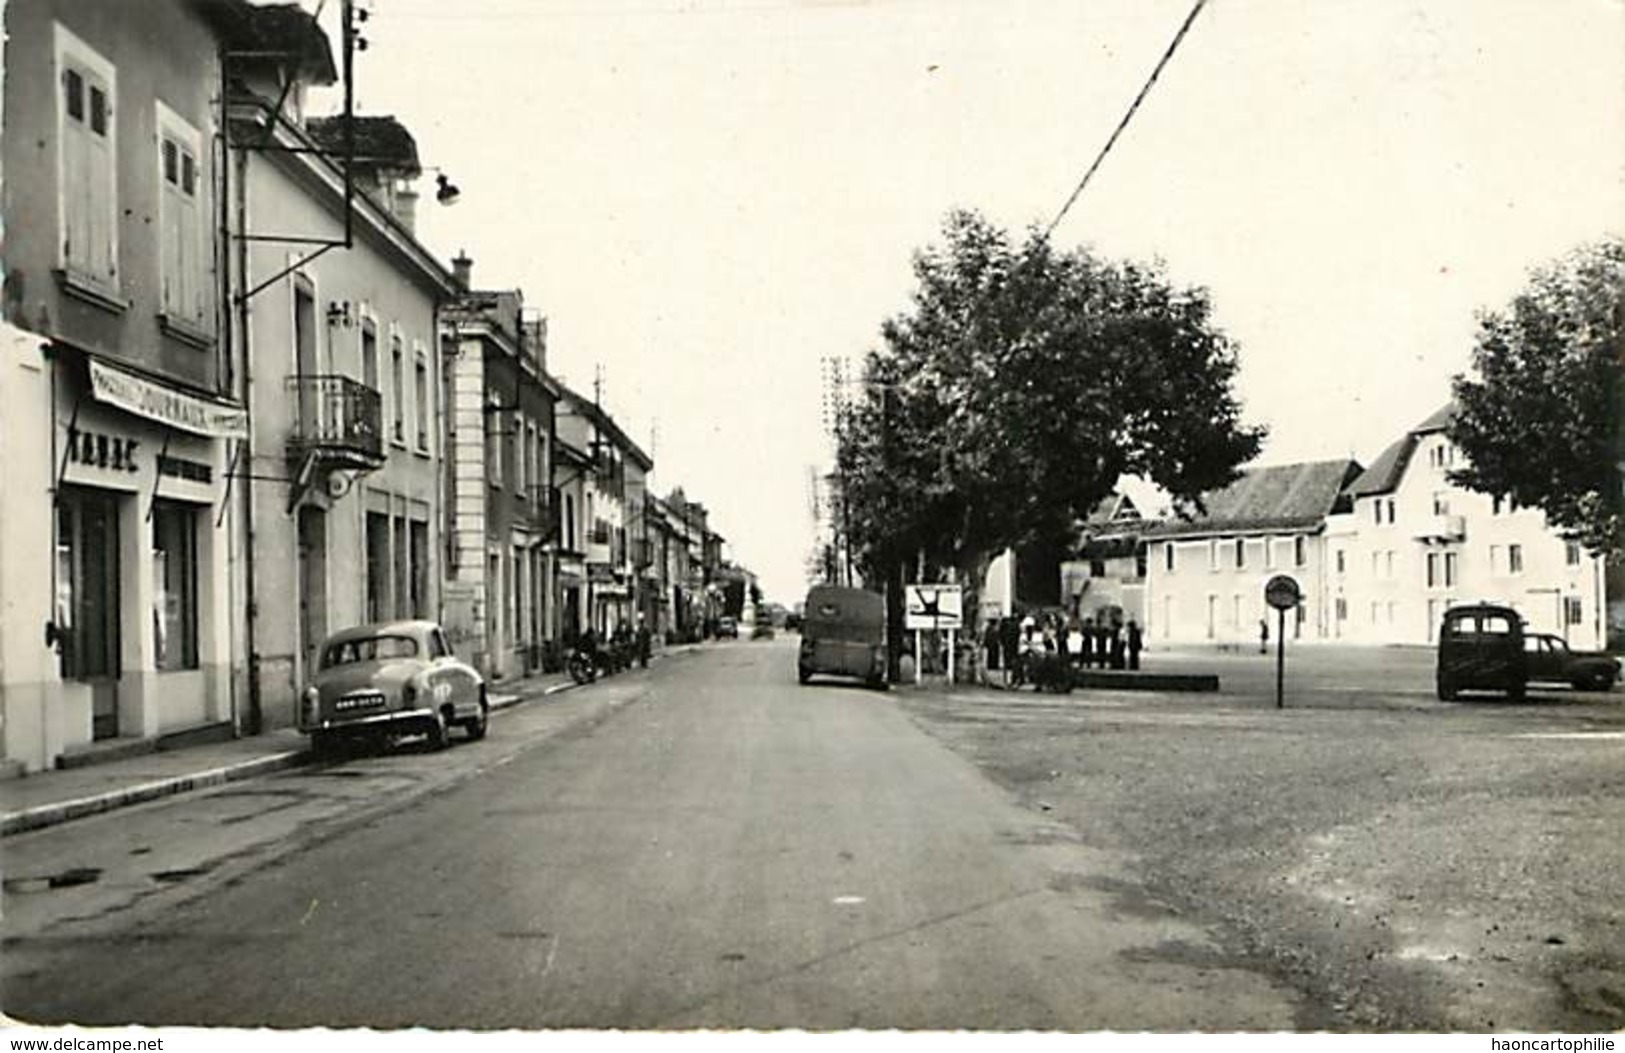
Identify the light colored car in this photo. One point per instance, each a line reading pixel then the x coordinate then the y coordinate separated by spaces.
pixel 392 678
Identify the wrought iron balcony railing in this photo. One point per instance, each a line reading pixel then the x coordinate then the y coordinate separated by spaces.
pixel 337 418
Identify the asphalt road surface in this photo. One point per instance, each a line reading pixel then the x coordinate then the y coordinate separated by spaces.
pixel 705 844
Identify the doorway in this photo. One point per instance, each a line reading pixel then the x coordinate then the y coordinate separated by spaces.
pixel 312 531
pixel 87 601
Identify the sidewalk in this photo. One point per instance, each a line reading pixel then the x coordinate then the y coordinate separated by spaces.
pixel 47 798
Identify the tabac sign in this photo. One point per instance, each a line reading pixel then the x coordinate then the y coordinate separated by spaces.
pixel 933 607
pixel 166 405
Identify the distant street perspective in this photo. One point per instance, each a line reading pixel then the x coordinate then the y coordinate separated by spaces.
pixel 696 515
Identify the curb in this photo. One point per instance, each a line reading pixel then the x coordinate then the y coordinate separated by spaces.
pixel 41 816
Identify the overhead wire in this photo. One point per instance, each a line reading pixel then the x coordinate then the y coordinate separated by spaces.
pixel 1128 115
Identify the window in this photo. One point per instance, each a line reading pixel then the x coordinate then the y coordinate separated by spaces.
pixel 86 153
pixel 1342 608
pixel 377 542
pixel 1390 563
pixel 1300 554
pixel 369 354
pixel 1213 555
pixel 493 443
pixel 174 585
pixel 437 644
pixel 1097 568
pixel 1441 503
pixel 369 649
pixel 1241 553
pixel 1450 569
pixel 1168 556
pixel 397 389
pixel 1573 613
pixel 1495 559
pixel 1571 553
pixel 570 522
pixel 1269 552
pixel 1376 511
pixel 420 400
pixel 1390 510
pixel 1433 569
pixel 1341 564
pixel 1495 505
pixel 1515 559
pixel 181 247
pixel 1376 564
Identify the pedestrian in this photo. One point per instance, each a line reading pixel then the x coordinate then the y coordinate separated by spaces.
pixel 1117 645
pixel 1086 644
pixel 1063 646
pixel 1263 636
pixel 1103 636
pixel 643 643
pixel 1009 646
pixel 1135 643
pixel 990 649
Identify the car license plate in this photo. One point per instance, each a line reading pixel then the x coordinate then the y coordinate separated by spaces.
pixel 359 701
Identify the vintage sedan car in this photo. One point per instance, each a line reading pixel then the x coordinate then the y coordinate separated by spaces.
pixel 392 678
pixel 1550 660
pixel 728 627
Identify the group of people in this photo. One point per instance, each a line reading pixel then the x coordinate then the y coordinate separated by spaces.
pixel 1012 645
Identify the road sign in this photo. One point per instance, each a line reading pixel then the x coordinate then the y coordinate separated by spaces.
pixel 933 607
pixel 1282 592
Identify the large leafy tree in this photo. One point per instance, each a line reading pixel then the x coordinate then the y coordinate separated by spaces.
pixel 1540 421
pixel 1020 385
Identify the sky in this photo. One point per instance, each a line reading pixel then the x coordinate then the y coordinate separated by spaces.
pixel 708 198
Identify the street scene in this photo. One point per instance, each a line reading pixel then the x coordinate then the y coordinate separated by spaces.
pixel 531 516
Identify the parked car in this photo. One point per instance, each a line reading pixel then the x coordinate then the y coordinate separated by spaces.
pixel 392 678
pixel 1481 649
pixel 843 633
pixel 1550 660
pixel 762 631
pixel 727 627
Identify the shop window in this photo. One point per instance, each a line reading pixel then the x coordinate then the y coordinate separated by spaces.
pixel 87 150
pixel 1573 612
pixel 174 585
pixel 1515 559
pixel 1571 553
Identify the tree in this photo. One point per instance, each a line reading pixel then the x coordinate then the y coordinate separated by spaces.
pixel 1019 387
pixel 1540 421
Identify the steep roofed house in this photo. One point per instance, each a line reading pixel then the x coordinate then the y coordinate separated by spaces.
pixel 1412 543
pixel 1206 574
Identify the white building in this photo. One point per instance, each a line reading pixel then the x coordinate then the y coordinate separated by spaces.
pixel 1412 544
pixel 1205 576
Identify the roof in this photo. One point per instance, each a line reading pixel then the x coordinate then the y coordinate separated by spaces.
pixel 606 424
pixel 1280 497
pixel 286 29
pixel 399 627
pixel 381 141
pixel 1389 467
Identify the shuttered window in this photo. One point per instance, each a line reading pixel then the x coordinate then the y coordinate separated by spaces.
pixel 184 268
pixel 87 148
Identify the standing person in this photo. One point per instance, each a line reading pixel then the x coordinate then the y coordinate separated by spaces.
pixel 643 643
pixel 1086 644
pixel 1135 643
pixel 1117 645
pixel 1102 643
pixel 1063 644
pixel 1263 636
pixel 1009 646
pixel 990 650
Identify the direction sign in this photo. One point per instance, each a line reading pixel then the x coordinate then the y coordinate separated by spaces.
pixel 933 607
pixel 1282 592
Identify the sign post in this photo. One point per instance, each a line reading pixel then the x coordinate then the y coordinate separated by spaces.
pixel 933 607
pixel 1282 593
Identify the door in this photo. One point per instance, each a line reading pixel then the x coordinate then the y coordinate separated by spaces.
pixel 88 600
pixel 312 585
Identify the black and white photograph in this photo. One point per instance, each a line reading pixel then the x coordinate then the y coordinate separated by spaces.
pixel 624 521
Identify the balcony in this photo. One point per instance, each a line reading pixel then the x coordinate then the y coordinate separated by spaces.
pixel 338 420
pixel 1441 528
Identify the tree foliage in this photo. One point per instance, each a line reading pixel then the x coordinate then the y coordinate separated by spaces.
pixel 1017 389
pixel 1540 420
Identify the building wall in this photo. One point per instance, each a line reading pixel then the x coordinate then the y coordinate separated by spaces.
pixel 1206 597
pixel 351 289
pixel 1384 585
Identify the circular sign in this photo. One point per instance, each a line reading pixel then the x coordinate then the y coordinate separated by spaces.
pixel 1282 592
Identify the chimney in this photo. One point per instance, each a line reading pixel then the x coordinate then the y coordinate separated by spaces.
pixel 405 206
pixel 462 269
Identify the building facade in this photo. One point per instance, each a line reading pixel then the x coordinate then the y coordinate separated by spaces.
pixel 501 575
pixel 119 423
pixel 1411 544
pixel 1205 576
pixel 341 480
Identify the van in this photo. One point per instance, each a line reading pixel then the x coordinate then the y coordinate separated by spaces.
pixel 843 633
pixel 1481 648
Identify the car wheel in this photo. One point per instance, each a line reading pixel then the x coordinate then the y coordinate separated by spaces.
pixel 1447 691
pixel 439 736
pixel 1517 692
pixel 477 726
pixel 802 676
pixel 326 744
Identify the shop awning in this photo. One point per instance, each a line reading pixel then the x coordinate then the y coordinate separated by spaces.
pixel 166 405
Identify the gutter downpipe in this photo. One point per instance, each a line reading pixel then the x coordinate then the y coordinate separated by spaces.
pixel 254 717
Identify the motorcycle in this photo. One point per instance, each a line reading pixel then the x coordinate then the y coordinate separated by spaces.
pixel 581 666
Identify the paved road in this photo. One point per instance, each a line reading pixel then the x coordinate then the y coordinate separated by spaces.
pixel 708 845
